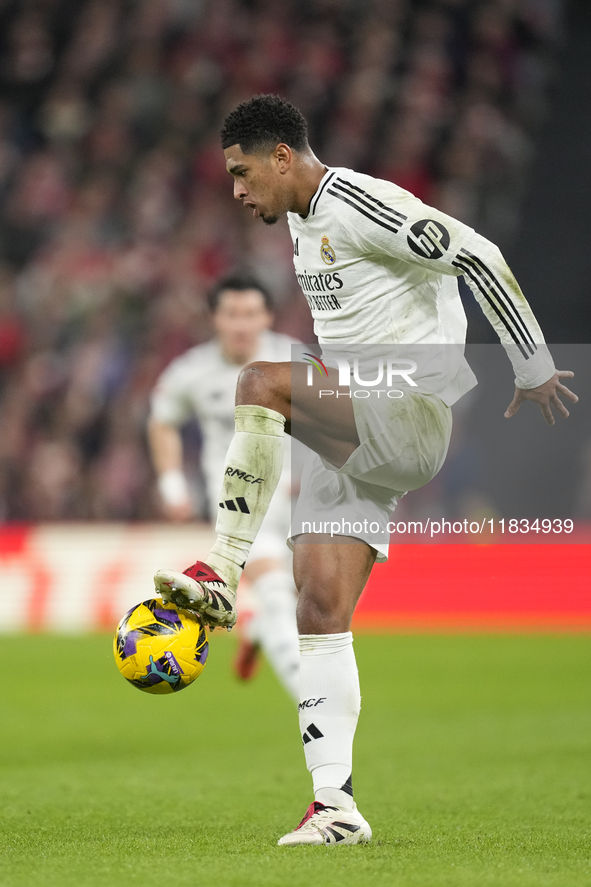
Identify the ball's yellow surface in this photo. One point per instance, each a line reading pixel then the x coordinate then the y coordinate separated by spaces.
pixel 159 648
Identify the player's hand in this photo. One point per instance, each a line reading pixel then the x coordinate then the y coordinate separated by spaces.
pixel 546 396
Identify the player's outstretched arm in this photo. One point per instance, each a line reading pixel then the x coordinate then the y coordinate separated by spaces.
pixel 435 241
pixel 546 396
pixel 166 449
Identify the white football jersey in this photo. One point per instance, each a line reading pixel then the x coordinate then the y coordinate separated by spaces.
pixel 378 266
pixel 201 384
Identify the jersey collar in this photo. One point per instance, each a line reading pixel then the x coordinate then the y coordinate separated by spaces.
pixel 327 177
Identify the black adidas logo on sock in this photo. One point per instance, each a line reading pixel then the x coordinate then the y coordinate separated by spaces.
pixel 237 504
pixel 311 732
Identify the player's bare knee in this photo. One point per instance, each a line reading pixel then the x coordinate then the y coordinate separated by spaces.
pixel 318 612
pixel 255 385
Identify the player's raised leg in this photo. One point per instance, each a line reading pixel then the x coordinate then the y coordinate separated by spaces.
pixel 329 577
pixel 268 396
pixel 253 467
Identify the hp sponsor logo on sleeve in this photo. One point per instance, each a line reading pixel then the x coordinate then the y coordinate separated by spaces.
pixel 428 239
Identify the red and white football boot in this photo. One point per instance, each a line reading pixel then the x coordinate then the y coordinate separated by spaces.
pixel 199 589
pixel 328 825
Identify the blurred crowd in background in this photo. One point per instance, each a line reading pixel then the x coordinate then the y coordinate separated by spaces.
pixel 117 213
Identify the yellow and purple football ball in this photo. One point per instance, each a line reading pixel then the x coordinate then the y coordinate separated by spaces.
pixel 159 648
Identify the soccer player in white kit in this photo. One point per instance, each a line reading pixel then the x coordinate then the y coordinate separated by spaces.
pixel 379 268
pixel 201 384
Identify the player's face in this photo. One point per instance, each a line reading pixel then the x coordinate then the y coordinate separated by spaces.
pixel 260 181
pixel 239 320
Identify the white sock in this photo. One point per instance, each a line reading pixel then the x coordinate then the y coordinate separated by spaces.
pixel 330 700
pixel 253 467
pixel 274 626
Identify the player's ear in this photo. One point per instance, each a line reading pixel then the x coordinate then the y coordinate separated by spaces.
pixel 283 157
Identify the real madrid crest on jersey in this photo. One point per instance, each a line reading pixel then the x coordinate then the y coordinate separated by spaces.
pixel 327 252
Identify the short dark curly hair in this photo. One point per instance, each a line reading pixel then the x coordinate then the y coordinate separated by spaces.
pixel 263 122
pixel 240 281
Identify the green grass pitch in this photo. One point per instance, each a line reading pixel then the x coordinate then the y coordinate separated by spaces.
pixel 472 765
